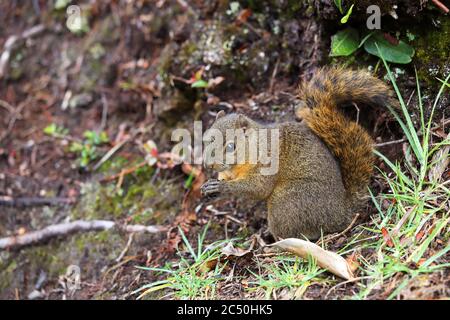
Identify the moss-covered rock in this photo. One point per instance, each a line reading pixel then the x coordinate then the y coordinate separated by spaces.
pixel 432 52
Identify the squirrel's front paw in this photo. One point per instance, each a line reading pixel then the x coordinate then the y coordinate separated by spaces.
pixel 211 187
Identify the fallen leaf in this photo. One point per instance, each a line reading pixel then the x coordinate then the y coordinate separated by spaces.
pixel 244 15
pixel 325 259
pixel 420 235
pixel 215 82
pixel 352 261
pixel 208 265
pixel 230 250
pixel 387 237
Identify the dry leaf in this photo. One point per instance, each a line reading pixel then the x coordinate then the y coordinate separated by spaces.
pixel 215 82
pixel 387 237
pixel 244 15
pixel 231 250
pixel 325 259
pixel 208 265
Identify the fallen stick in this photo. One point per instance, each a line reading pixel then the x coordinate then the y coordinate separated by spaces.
pixel 64 229
pixel 440 5
pixel 34 201
pixel 11 44
pixel 124 172
pixel 355 218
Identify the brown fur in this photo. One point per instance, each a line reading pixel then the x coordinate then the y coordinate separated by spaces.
pixel 325 162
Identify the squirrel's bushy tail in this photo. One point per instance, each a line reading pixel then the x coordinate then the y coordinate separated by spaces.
pixel 348 141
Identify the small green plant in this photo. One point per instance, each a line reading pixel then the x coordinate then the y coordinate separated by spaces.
pixel 345 18
pixel 197 80
pixel 87 149
pixel 191 277
pixel 56 131
pixel 339 5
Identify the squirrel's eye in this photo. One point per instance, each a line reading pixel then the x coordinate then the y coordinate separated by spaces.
pixel 229 147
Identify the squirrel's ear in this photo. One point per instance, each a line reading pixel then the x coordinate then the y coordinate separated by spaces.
pixel 220 114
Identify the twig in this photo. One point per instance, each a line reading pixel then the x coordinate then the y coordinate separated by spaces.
pixel 110 153
pixel 34 201
pixel 402 221
pixel 7 106
pixel 382 144
pixel 124 251
pixel 11 42
pixel 440 5
pixel 345 282
pixel 15 115
pixel 274 74
pixel 187 7
pixel 124 172
pixel 119 145
pixel 343 232
pixel 64 229
pixel 104 112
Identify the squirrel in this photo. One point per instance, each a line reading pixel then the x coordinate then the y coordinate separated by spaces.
pixel 325 160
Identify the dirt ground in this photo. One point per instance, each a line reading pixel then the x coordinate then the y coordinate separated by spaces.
pixel 129 74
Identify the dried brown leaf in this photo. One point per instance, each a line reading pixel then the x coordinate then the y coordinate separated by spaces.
pixel 325 259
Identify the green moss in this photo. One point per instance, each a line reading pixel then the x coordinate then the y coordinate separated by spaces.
pixel 432 59
pixel 138 199
pixel 114 164
pixel 90 251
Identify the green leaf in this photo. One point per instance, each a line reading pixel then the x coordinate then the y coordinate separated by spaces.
pixel 200 84
pixel 189 180
pixel 76 147
pixel 400 53
pixel 55 131
pixel 338 4
pixel 347 16
pixel 104 137
pixel 344 43
pixel 50 129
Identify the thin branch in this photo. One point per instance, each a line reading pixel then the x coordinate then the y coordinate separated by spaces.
pixel 11 44
pixel 440 5
pixel 34 201
pixel 382 144
pixel 124 172
pixel 332 237
pixel 65 229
